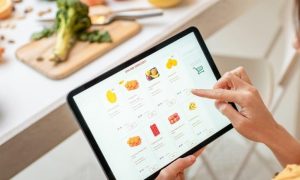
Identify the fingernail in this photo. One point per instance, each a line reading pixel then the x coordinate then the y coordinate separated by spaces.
pixel 192 158
pixel 194 90
pixel 222 107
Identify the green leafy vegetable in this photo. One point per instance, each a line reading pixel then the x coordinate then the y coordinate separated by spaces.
pixel 95 36
pixel 46 32
pixel 71 24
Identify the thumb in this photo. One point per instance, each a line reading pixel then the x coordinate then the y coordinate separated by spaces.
pixel 181 164
pixel 219 94
pixel 227 109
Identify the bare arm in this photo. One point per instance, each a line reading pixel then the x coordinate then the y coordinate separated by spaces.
pixel 284 146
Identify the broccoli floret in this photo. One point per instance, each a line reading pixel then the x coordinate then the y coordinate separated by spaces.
pixel 71 24
pixel 71 20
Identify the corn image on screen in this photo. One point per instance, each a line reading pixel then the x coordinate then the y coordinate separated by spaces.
pixel 145 116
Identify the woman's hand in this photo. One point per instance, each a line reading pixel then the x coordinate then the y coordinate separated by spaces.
pixel 254 121
pixel 175 171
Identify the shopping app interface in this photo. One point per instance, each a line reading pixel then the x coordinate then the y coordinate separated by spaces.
pixel 145 116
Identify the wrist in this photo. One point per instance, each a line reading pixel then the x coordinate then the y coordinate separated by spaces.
pixel 285 147
pixel 275 136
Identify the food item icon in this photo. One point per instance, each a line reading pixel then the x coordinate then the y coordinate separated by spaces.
pixel 121 82
pixel 134 141
pixel 171 63
pixel 111 96
pixel 154 130
pixel 132 85
pixel 192 106
pixel 152 74
pixel 174 118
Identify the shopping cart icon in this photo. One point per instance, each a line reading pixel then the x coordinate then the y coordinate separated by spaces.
pixel 199 69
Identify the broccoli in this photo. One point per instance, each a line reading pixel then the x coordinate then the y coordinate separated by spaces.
pixel 71 19
pixel 71 24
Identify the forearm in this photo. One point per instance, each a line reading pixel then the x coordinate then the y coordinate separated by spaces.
pixel 285 147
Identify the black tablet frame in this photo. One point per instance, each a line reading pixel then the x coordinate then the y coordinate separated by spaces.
pixel 124 65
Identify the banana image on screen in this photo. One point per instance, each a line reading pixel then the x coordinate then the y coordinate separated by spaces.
pixel 171 63
pixel 192 106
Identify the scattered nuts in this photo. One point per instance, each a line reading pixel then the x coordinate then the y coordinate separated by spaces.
pixel 28 10
pixel 39 59
pixel 2 38
pixel 11 41
pixel 16 1
pixel 12 26
pixel 20 16
pixel 42 13
pixel 8 26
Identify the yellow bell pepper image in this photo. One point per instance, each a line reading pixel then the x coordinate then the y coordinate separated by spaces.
pixel 111 96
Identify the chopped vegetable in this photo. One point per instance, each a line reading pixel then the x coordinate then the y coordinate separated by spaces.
pixel 1 53
pixel 6 9
pixel 46 32
pixel 95 36
pixel 93 2
pixel 71 24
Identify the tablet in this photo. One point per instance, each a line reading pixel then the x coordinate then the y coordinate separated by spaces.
pixel 141 115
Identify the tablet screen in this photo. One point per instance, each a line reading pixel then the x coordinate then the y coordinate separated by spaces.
pixel 145 116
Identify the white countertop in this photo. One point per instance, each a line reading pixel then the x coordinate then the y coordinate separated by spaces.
pixel 26 95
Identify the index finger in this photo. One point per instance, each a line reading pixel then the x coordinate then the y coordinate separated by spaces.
pixel 219 94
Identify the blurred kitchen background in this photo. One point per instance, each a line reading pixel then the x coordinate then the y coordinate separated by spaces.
pixel 255 34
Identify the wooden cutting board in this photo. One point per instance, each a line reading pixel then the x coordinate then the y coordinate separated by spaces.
pixel 81 54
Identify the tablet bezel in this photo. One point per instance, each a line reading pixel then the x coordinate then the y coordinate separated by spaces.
pixel 124 65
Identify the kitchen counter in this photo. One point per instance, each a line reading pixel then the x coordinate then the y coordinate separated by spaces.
pixel 26 96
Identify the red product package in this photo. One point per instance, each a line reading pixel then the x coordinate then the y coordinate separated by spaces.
pixel 154 130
